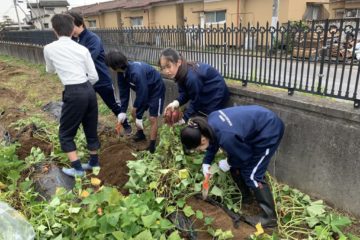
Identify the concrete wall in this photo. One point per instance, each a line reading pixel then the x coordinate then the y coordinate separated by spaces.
pixel 319 153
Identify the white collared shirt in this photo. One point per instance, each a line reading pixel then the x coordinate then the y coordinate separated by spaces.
pixel 71 61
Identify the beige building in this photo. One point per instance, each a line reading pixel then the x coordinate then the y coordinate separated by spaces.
pixel 151 13
pixel 344 9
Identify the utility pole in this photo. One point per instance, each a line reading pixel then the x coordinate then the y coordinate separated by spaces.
pixel 17 15
pixel 275 13
pixel 274 20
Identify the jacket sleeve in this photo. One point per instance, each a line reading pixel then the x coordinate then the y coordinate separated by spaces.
pixel 210 153
pixel 183 95
pixel 124 90
pixel 94 46
pixel 190 110
pixel 90 69
pixel 194 86
pixel 141 93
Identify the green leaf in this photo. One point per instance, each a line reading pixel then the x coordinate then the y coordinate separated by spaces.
pixel 166 224
pixel 149 220
pixel 216 191
pixel 41 228
pixel 153 185
pixel 312 221
pixel 55 202
pixel 315 209
pixel 286 188
pixel 208 220
pixel 188 211
pixel 74 210
pixel 197 187
pixel 113 218
pixel 174 236
pixel 180 203
pixel 159 199
pixel 144 235
pixel 340 221
pixel 199 214
pixel 170 209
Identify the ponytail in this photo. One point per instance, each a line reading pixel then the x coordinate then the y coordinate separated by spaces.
pixel 191 134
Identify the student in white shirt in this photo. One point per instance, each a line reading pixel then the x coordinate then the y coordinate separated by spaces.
pixel 76 70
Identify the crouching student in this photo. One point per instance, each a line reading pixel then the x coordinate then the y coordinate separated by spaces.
pixel 76 70
pixel 150 93
pixel 250 136
pixel 199 83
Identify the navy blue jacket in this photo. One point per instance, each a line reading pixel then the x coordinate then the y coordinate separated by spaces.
pixel 145 81
pixel 242 132
pixel 93 42
pixel 205 88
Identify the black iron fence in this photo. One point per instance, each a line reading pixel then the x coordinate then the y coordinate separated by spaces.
pixel 314 57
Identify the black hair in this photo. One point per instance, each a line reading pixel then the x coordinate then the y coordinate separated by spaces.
pixel 174 56
pixel 63 24
pixel 78 19
pixel 191 135
pixel 116 60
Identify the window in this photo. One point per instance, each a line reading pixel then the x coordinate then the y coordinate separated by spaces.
pixel 92 23
pixel 215 17
pixel 136 21
pixel 352 13
pixel 46 25
pixel 339 13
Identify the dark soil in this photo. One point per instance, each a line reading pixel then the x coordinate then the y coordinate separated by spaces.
pixel 113 165
pixel 221 220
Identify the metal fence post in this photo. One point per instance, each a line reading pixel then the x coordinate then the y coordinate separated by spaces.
pixel 322 63
pixel 225 48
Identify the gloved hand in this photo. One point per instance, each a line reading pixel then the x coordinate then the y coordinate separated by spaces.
pixel 121 117
pixel 152 146
pixel 139 124
pixel 206 169
pixel 224 165
pixel 180 122
pixel 174 104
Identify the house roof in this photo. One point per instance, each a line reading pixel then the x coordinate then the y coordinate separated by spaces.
pixel 48 3
pixel 94 9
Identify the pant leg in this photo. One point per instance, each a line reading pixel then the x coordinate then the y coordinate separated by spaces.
pixel 255 172
pixel 108 96
pixel 90 122
pixel 72 112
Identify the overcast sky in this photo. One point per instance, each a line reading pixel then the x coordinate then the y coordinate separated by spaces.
pixel 7 7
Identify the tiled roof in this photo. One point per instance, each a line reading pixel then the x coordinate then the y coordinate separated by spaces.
pixel 49 3
pixel 106 6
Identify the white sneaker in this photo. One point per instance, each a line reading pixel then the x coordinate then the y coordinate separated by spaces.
pixel 87 166
pixel 73 173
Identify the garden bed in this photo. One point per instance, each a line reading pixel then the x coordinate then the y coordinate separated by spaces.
pixel 25 90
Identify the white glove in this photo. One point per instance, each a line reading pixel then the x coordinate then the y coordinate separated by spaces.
pixel 174 104
pixel 121 117
pixel 180 122
pixel 206 169
pixel 139 124
pixel 224 165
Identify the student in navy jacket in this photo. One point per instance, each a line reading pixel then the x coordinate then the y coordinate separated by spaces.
pixel 250 136
pixel 200 83
pixel 104 87
pixel 149 88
